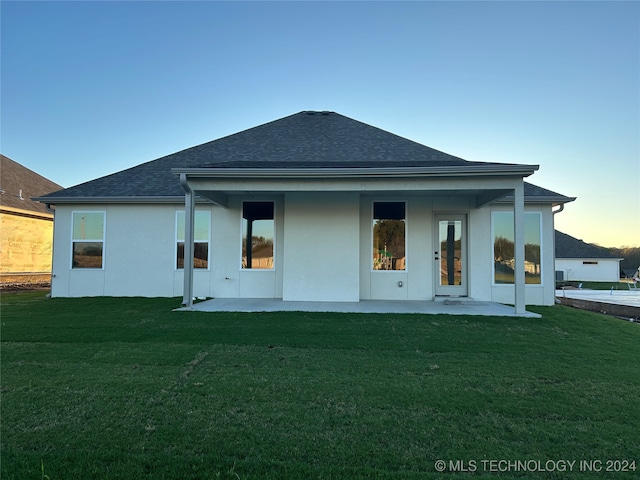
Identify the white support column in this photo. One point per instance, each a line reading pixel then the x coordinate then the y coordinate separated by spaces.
pixel 189 219
pixel 518 257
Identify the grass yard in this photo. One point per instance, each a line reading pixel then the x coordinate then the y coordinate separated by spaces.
pixel 108 388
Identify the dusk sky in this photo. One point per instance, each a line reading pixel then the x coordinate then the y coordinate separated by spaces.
pixel 91 88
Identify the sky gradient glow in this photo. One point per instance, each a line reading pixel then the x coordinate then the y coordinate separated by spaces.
pixel 91 88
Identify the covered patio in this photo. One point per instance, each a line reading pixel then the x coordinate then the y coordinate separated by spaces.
pixel 451 306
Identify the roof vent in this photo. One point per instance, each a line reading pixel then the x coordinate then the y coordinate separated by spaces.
pixel 326 112
pixel 20 195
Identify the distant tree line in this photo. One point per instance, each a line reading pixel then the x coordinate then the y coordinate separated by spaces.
pixel 503 249
pixel 390 236
pixel 630 257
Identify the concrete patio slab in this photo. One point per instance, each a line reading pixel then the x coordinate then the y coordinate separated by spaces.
pixel 453 306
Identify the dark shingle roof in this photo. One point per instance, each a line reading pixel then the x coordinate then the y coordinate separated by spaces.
pixel 570 247
pixel 299 141
pixel 19 185
pixel 305 139
pixel 317 140
pixel 535 193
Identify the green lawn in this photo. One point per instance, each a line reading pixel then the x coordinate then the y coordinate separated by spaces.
pixel 125 388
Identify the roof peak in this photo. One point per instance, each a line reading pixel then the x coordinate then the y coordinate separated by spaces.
pixel 317 112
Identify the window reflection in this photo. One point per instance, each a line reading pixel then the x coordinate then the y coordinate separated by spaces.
pixel 88 225
pixel 503 248
pixel 201 228
pixel 200 255
pixel 389 236
pixel 87 254
pixel 450 232
pixel 258 227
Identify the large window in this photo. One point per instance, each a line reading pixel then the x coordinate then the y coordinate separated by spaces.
pixel 389 236
pixel 258 228
pixel 201 229
pixel 88 239
pixel 503 248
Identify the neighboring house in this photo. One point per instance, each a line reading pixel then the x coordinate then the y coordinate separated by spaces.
pixel 580 261
pixel 26 226
pixel 314 206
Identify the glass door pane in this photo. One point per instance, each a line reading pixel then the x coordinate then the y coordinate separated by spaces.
pixel 450 252
pixel 450 256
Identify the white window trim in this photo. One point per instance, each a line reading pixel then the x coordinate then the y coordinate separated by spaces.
pixel 275 229
pixel 176 240
pixel 406 235
pixel 102 240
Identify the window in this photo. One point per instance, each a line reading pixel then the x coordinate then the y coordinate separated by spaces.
pixel 503 248
pixel 389 236
pixel 201 228
pixel 88 239
pixel 587 262
pixel 258 227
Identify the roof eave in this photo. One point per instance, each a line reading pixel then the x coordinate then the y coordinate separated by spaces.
pixel 347 172
pixel 114 199
pixel 25 212
pixel 554 199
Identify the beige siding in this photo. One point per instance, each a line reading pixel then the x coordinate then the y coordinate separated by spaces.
pixel 25 245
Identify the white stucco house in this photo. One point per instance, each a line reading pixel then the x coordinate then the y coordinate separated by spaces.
pixel 314 206
pixel 580 261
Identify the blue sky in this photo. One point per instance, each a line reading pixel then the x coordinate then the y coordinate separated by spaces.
pixel 91 88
